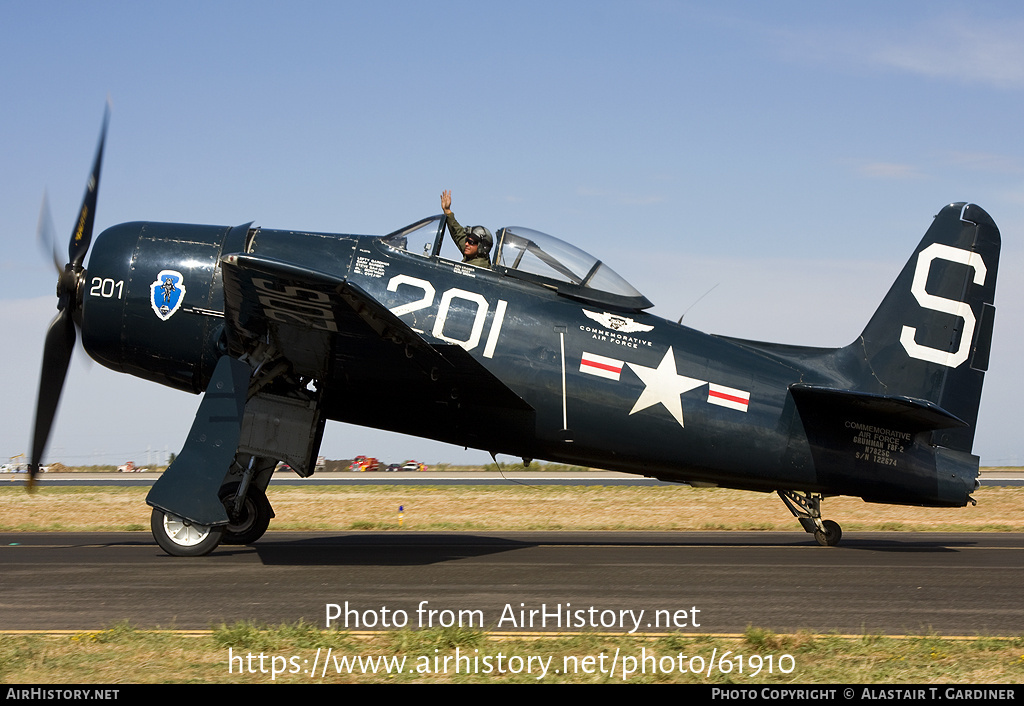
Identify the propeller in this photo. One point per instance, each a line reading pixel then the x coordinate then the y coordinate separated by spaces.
pixel 46 236
pixel 60 337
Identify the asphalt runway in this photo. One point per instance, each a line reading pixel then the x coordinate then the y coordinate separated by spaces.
pixel 717 582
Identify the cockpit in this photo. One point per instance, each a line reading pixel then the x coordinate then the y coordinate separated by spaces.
pixel 526 254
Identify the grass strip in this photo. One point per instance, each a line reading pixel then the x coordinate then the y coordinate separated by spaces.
pixel 512 507
pixel 249 653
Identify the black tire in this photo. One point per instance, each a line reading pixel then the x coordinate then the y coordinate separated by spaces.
pixel 831 536
pixel 252 522
pixel 180 537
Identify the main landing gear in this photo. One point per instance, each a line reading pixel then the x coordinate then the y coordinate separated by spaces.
pixel 806 507
pixel 248 521
pixel 248 420
pixel 249 518
pixel 180 537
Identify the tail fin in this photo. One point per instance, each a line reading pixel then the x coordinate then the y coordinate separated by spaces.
pixel 930 338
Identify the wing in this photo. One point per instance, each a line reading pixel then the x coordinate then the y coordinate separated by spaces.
pixel 307 315
pixel 377 370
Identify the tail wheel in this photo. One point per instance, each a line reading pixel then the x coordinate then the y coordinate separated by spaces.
pixel 830 535
pixel 179 537
pixel 251 521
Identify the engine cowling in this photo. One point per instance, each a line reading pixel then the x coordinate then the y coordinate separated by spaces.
pixel 153 302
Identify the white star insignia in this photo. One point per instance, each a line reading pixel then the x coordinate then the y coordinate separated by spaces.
pixel 663 385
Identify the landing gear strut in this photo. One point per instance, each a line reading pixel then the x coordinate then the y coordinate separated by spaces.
pixel 806 507
pixel 250 518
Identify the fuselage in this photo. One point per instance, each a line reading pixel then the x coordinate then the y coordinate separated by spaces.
pixel 604 386
pixel 623 390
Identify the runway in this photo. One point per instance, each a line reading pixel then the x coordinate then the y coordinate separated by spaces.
pixel 715 582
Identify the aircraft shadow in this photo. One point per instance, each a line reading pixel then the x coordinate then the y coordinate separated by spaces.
pixel 418 549
pixel 381 549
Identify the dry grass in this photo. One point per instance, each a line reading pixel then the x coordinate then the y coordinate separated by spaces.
pixel 123 655
pixel 513 507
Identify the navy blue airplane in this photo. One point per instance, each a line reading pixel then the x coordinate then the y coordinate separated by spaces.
pixel 546 354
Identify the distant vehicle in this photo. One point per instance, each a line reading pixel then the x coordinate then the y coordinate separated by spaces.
pixel 414 466
pixel 130 467
pixel 362 463
pixel 19 468
pixel 392 468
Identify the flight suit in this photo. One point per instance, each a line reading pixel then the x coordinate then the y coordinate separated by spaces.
pixel 459 235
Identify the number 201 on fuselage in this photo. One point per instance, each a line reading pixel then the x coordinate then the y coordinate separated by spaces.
pixel 445 310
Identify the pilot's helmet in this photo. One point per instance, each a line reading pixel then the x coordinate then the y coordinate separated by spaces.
pixel 483 237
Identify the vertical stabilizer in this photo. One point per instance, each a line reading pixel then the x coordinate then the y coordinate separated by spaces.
pixel 930 338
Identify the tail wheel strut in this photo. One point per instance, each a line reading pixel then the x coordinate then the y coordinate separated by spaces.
pixel 806 507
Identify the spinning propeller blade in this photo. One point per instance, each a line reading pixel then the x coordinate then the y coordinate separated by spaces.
pixel 60 338
pixel 82 235
pixel 46 237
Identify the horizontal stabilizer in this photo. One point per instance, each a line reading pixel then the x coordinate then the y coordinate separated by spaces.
pixel 913 415
pixel 920 362
pixel 881 447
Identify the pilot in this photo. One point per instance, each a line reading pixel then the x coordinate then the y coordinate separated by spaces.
pixel 474 242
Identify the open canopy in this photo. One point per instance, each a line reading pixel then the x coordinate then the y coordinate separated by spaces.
pixel 537 257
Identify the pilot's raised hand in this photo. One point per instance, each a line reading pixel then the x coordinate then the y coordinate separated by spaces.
pixel 446 201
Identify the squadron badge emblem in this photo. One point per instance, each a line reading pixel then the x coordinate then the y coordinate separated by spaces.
pixel 622 324
pixel 166 294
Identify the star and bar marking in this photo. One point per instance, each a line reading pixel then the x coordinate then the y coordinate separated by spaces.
pixel 664 385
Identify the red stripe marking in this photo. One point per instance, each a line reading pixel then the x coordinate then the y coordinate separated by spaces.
pixel 731 398
pixel 602 366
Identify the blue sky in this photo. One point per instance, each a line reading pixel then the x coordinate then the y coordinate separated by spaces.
pixel 788 154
